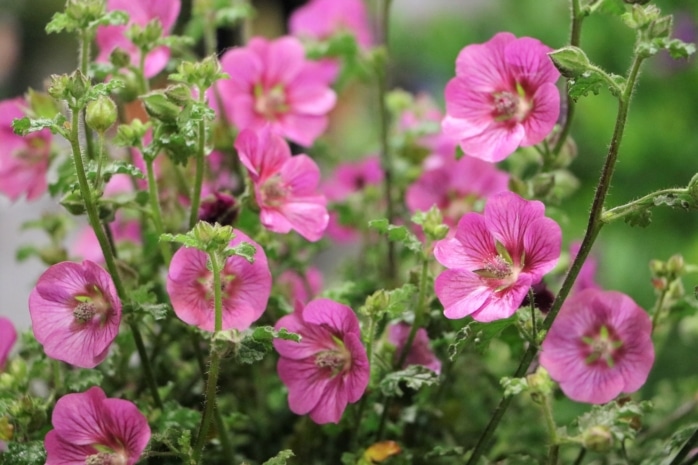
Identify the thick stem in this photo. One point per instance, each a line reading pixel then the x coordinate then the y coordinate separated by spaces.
pixel 212 381
pixel 385 155
pixel 593 228
pixel 93 217
pixel 199 175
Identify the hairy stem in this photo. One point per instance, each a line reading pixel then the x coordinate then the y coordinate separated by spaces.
pixel 199 174
pixel 156 213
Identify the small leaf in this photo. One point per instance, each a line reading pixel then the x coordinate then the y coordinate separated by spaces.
pixel 641 218
pixel 478 335
pixel 513 386
pixel 414 377
pixel 397 233
pixel 281 458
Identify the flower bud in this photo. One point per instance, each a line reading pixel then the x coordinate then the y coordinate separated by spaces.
pixel 59 86
pixel 159 107
pixel 675 265
pixel 693 188
pixel 662 27
pixel 101 114
pixel 598 439
pixel 78 84
pixel 120 58
pixel 570 61
pixel 73 202
pixel 178 94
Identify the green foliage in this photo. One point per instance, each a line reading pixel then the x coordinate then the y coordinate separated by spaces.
pixel 593 81
pixel 144 301
pixel 514 386
pixel 256 344
pixel 413 377
pixel 391 303
pixel 201 74
pixel 398 234
pixel 26 125
pixel 609 7
pixel 24 453
pixel 620 418
pixel 477 335
pixel 281 458
pixel 85 15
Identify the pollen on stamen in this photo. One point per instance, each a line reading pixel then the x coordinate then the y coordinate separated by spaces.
pixel 84 311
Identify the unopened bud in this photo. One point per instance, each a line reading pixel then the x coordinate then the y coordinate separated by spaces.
pixel 73 202
pixel 693 188
pixel 78 84
pixel 675 265
pixel 178 94
pixel 662 27
pixel 159 107
pixel 598 439
pixel 101 114
pixel 120 58
pixel 570 61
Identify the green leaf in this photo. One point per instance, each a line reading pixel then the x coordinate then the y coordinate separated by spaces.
pixel 24 126
pixel 81 380
pixel 478 335
pixel 397 234
pixel 414 377
pixel 281 458
pixel 641 218
pixel 609 7
pixel 593 81
pixel 26 251
pixel 513 386
pixel 389 303
pixel 244 250
pixel 618 418
pixel 60 22
pixel 256 344
pixel 24 453
pixel 444 451
pixel 231 15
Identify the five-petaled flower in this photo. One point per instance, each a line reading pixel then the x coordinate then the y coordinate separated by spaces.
pixel 91 429
pixel 24 160
pixel 75 312
pixel 495 257
pixel 286 186
pixel 245 287
pixel 328 368
pixel 599 346
pixel 109 38
pixel 503 96
pixel 272 83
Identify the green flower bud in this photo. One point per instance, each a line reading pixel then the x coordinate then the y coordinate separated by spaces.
pixel 51 255
pixel 131 135
pixel 178 94
pixel 78 84
pixel 542 184
pixel 101 114
pixel 598 439
pixel 662 27
pixel 657 268
pixel 85 11
pixel 693 188
pixel 59 86
pixel 570 61
pixel 73 202
pixel 159 107
pixel 675 265
pixel 120 58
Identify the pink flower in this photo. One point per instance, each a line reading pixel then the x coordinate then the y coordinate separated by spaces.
pixel 286 187
pixel 273 83
pixel 503 96
pixel 586 279
pixel 455 186
pixel 495 257
pixel 599 346
pixel 91 428
pixel 8 336
pixel 339 232
pixel 320 19
pixel 351 177
pixel 23 160
pixel 75 313
pixel 301 287
pixel 140 13
pixel 246 287
pixel 423 119
pixel 420 353
pixel 328 368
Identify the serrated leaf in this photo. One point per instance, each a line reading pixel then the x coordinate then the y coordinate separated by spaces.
pixel 593 81
pixel 231 15
pixel 60 22
pixel 397 234
pixel 390 303
pixel 414 377
pixel 513 386
pixel 24 126
pixel 255 345
pixel 618 418
pixel 81 380
pixel 478 335
pixel 641 218
pixel 26 251
pixel 611 7
pixel 444 451
pixel 281 458
pixel 24 453
pixel 244 250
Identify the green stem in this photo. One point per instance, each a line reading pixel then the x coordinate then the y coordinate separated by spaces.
pixel 93 217
pixel 212 381
pixel 418 314
pixel 688 447
pixel 575 40
pixel 642 203
pixel 580 456
pixel 385 155
pixel 554 450
pixel 199 175
pixel 593 228
pixel 156 213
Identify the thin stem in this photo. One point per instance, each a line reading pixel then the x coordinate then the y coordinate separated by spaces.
pixel 199 175
pixel 93 217
pixel 385 155
pixel 688 447
pixel 622 211
pixel 418 314
pixel 554 450
pixel 575 40
pixel 593 228
pixel 211 383
pixel 580 456
pixel 156 213
pixel 659 306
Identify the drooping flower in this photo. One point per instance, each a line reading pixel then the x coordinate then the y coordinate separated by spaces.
pixel 272 83
pixel 503 96
pixel 351 177
pixel 286 186
pixel 90 428
pixel 245 287
pixel 24 160
pixel 328 368
pixel 8 336
pixel 320 19
pixel 301 287
pixel 420 353
pixel 495 257
pixel 140 13
pixel 599 346
pixel 455 186
pixel 75 312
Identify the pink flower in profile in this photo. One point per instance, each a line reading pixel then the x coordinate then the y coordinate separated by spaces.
pixel 75 312
pixel 351 177
pixel 301 287
pixel 90 428
pixel 455 187
pixel 320 19
pixel 420 353
pixel 272 83
pixel 586 279
pixel 246 287
pixel 599 346
pixel 286 186
pixel 495 257
pixel 503 96
pixel 24 160
pixel 8 336
pixel 423 119
pixel 140 13
pixel 328 368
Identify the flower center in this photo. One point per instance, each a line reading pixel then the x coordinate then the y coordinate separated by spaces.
pixel 603 347
pixel 270 103
pixel 274 191
pixel 91 305
pixel 84 312
pixel 511 105
pixel 105 458
pixel 337 360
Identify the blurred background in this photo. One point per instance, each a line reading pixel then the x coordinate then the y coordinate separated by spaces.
pixel 660 148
